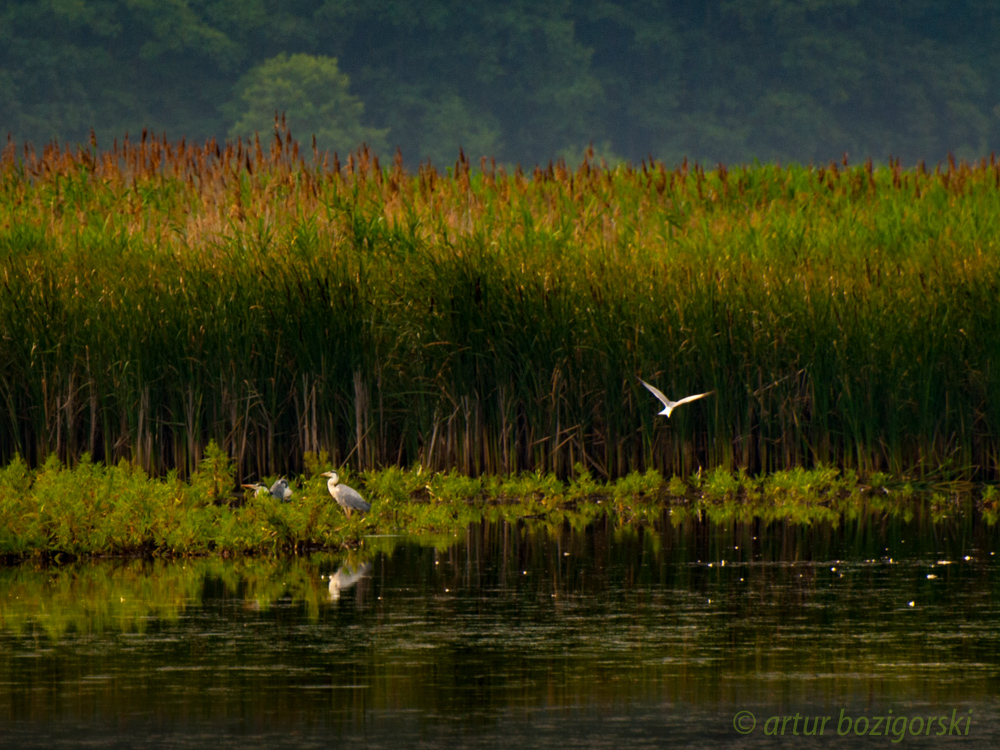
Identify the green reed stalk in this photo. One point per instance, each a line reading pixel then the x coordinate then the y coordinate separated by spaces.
pixel 158 297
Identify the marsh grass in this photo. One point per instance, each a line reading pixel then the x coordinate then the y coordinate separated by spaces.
pixel 156 296
pixel 93 510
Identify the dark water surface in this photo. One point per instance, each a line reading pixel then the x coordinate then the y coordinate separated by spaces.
pixel 516 636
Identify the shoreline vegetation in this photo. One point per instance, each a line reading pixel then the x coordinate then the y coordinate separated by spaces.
pixel 156 296
pixel 57 513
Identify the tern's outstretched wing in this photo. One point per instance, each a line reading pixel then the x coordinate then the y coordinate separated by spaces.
pixel 693 398
pixel 659 394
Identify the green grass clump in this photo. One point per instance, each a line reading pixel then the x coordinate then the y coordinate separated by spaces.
pixel 96 510
pixel 157 296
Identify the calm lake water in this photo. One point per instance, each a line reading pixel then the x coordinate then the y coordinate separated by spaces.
pixel 521 636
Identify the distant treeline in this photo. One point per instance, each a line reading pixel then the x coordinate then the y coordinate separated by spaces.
pixel 524 82
pixel 161 295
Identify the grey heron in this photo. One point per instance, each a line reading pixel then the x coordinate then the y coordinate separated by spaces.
pixel 279 490
pixel 668 405
pixel 346 497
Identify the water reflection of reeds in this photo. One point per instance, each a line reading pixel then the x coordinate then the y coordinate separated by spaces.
pixel 596 591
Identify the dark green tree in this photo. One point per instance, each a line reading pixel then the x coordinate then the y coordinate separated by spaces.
pixel 312 93
pixel 445 74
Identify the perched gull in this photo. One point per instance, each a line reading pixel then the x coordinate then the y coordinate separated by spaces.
pixel 668 405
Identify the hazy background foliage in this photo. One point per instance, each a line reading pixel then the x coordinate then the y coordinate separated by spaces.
pixel 714 80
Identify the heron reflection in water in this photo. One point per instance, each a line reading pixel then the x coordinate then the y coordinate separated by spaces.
pixel 346 576
pixel 279 490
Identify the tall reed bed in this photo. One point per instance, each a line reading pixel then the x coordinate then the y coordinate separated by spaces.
pixel 159 295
